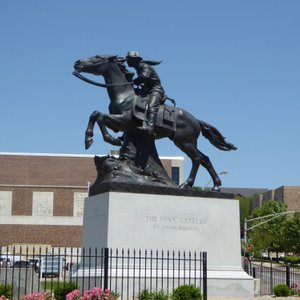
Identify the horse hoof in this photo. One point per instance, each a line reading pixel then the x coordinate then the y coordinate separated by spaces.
pixel 185 185
pixel 216 189
pixel 116 142
pixel 88 143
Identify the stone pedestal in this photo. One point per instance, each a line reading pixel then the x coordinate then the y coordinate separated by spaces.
pixel 150 221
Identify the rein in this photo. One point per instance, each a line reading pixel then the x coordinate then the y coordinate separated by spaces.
pixel 104 85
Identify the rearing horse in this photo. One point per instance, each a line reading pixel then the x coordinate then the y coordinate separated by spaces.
pixel 122 95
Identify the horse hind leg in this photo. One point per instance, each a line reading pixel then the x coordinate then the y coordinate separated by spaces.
pixel 191 151
pixel 212 172
pixel 198 158
pixel 192 176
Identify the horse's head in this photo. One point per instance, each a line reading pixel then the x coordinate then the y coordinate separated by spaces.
pixel 95 64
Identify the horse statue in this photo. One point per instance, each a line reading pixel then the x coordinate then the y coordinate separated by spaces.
pixel 126 113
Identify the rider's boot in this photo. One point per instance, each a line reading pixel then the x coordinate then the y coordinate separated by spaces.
pixel 154 102
pixel 151 122
pixel 149 128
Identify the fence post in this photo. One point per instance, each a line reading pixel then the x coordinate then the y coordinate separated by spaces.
pixel 204 275
pixel 106 253
pixel 271 277
pixel 287 275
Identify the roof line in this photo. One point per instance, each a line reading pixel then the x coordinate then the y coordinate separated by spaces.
pixel 72 155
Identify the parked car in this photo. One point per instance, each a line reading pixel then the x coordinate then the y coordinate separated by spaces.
pixel 51 266
pixel 8 259
pixel 264 255
pixel 35 263
pixel 5 262
pixel 21 264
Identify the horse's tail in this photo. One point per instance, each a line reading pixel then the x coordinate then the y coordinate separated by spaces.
pixel 215 137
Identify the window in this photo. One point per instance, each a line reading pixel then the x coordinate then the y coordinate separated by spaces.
pixel 5 203
pixel 175 174
pixel 42 204
pixel 78 203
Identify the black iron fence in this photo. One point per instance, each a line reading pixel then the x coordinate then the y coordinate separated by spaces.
pixel 270 274
pixel 125 272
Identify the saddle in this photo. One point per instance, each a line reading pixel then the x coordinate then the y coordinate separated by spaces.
pixel 166 115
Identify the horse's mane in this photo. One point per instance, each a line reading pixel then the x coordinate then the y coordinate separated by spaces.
pixel 121 64
pixel 120 61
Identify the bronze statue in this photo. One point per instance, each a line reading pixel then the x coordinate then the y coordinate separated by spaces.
pixel 151 85
pixel 127 112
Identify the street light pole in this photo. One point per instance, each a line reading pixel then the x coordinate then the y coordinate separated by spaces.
pixel 221 173
pixel 271 217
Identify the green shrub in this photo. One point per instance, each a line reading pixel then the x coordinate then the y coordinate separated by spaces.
pixel 116 295
pixel 5 290
pixel 291 260
pixel 159 295
pixel 144 295
pixel 282 290
pixel 155 295
pixel 186 292
pixel 63 288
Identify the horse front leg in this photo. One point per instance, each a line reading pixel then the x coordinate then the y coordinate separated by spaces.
pixel 89 133
pixel 114 122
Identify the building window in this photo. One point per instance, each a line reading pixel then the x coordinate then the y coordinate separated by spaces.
pixel 5 203
pixel 42 204
pixel 114 152
pixel 78 203
pixel 175 174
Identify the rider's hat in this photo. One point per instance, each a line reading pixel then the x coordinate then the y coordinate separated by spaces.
pixel 133 55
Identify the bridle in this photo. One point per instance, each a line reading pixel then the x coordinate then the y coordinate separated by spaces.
pixel 104 85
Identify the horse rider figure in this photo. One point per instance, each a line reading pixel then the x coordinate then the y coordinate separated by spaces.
pixel 150 82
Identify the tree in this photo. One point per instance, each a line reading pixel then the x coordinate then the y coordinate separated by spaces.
pixel 260 241
pixel 269 236
pixel 245 208
pixel 292 233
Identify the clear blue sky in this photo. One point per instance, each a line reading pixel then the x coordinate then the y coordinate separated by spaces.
pixel 234 64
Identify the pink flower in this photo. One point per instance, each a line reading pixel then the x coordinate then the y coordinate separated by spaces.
pixel 74 295
pixel 36 296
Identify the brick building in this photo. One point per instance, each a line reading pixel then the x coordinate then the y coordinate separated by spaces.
pixel 41 196
pixel 290 195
